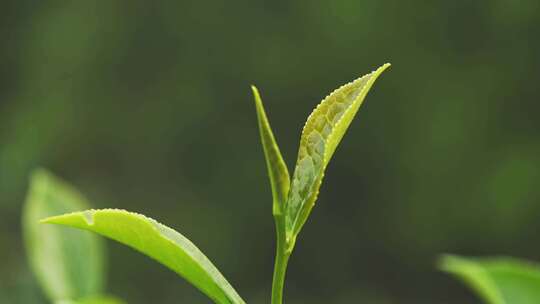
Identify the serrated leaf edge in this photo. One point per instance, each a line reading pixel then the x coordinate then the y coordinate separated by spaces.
pixel 291 235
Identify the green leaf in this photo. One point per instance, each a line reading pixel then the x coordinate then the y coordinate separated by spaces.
pixel 321 135
pixel 497 280
pixel 159 242
pixel 68 264
pixel 277 169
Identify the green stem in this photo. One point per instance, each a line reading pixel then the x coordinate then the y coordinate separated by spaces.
pixel 280 266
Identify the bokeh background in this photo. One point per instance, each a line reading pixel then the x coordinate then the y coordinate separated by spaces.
pixel 146 106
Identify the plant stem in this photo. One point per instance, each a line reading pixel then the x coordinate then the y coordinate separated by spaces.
pixel 280 266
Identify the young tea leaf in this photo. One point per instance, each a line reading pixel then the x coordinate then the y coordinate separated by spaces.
pixel 277 169
pixel 67 264
pixel 497 280
pixel 321 135
pixel 159 242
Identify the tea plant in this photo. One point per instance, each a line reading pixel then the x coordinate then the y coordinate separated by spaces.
pixel 292 203
pixel 69 264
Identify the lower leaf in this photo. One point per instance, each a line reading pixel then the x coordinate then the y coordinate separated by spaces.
pixel 159 242
pixel 497 280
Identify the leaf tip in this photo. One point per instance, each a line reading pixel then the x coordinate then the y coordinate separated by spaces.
pixel 382 68
pixel 67 219
pixel 445 262
pixel 50 219
pixel 40 177
pixel 256 94
pixel 454 264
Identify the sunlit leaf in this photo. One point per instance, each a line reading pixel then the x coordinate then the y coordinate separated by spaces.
pixel 67 263
pixel 497 280
pixel 321 135
pixel 277 169
pixel 159 242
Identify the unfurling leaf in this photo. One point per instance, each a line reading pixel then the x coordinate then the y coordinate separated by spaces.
pixel 497 280
pixel 321 135
pixel 67 263
pixel 159 242
pixel 277 169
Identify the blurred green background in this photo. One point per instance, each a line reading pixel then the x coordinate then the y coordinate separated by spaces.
pixel 146 106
